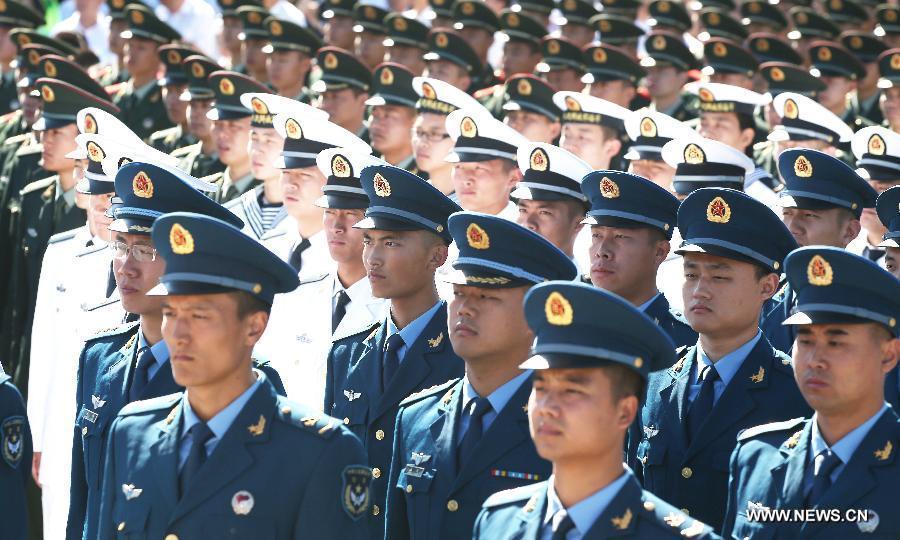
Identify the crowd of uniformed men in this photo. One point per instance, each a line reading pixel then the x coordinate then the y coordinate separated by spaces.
pixel 449 269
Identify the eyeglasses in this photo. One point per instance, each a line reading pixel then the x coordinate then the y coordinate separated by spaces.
pixel 430 136
pixel 141 253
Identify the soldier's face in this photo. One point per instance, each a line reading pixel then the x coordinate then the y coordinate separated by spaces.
pixel 479 38
pixel 619 92
pixel 519 57
pixel 198 124
pixel 7 47
pixel 834 97
pixel 575 415
pixel 659 172
pixel 732 79
pixel 892 261
pixel 723 297
pixel 664 81
pixel 488 325
pixel 370 48
pixel 97 207
pixel 58 142
pixel 232 137
pixel 345 107
pixel 345 244
pixel 815 144
pixel 624 261
pixel 134 278
pixel 338 32
pixel 265 147
pixel 256 60
pixel 725 128
pixel 209 342
pixel 557 221
pixel 565 79
pixel 484 186
pixel 890 105
pixel 840 368
pixel 830 227
pixel 140 57
pixel 579 34
pixel 301 188
pixel 401 264
pixel 448 72
pixel 389 127
pixel 533 126
pixel 411 57
pixel 287 70
pixel 231 28
pixel 116 41
pixel 431 143
pixel 869 218
pixel 590 143
pixel 176 109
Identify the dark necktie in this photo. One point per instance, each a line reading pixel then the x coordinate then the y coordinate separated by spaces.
pixel 828 461
pixel 141 377
pixel 391 359
pixel 703 402
pixel 340 309
pixel 476 409
pixel 874 254
pixel 200 435
pixel 563 528
pixel 296 260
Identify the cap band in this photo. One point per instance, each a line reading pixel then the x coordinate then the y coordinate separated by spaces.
pixel 499 267
pixel 630 216
pixel 430 225
pixel 845 310
pixel 755 255
pixel 568 348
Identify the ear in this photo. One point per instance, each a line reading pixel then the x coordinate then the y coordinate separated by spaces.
pixel 662 251
pixel 438 256
pixel 769 286
pixel 851 230
pixel 612 147
pixel 256 324
pixel 514 177
pixel 465 83
pixel 628 408
pixel 555 128
pixel 890 354
pixel 746 138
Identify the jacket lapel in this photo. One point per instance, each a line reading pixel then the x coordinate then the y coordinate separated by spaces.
pixel 675 395
pixel 621 515
pixel 443 430
pixel 658 309
pixel 367 371
pixel 530 517
pixel 129 356
pixel 164 456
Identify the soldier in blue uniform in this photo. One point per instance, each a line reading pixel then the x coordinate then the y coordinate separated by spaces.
pixel 131 362
pixel 732 379
pixel 15 448
pixel 590 374
pixel 459 442
pixel 210 462
pixel 888 207
pixel 369 373
pixel 844 457
pixel 822 204
pixel 632 221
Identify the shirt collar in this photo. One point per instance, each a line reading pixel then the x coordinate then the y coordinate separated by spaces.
pixel 411 331
pixel 643 307
pixel 68 196
pixel 219 423
pixel 238 183
pixel 142 92
pixel 499 397
pixel 587 511
pixel 728 365
pixel 355 291
pixel 848 444
pixel 160 350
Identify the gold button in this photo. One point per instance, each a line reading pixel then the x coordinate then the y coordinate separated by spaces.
pixel 649 506
pixel 452 505
pixel 376 472
pixel 84 431
pixel 687 472
pixel 375 510
pixel 286 410
pixel 171 537
pixel 409 488
pixel 686 511
pixel 379 435
pixel 121 526
pixel 346 420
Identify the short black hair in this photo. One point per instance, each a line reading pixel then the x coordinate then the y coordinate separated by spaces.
pixel 247 304
pixel 625 381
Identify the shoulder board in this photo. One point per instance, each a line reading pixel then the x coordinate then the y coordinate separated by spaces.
pixel 163 133
pixel 186 150
pixel 434 390
pixel 773 427
pixel 38 185
pixel 485 92
pixel 153 404
pixel 515 495
pixel 306 419
pixel 314 279
pixel 63 236
pixel 16 139
pixel 115 331
pixel 29 148
pixel 682 351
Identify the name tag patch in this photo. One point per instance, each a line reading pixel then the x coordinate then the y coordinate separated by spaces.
pixel 89 415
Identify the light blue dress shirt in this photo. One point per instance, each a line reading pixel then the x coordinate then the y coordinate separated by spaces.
pixel 498 399
pixel 643 307
pixel 844 448
pixel 583 513
pixel 726 367
pixel 411 331
pixel 160 354
pixel 218 424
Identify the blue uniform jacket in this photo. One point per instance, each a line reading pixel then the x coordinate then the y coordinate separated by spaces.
pixel 768 469
pixel 354 392
pixel 280 471
pixel 105 370
pixel 429 498
pixel 672 322
pixel 777 310
pixel 518 514
pixel 15 469
pixel 695 476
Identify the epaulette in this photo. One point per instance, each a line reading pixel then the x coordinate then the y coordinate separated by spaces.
pixel 63 236
pixel 38 185
pixel 436 389
pixel 28 148
pixel 486 92
pixel 185 151
pixel 16 139
pixel 515 495
pixel 671 518
pixel 306 419
pixel 772 427
pixel 314 279
pixel 162 134
pixel 152 404
pixel 114 331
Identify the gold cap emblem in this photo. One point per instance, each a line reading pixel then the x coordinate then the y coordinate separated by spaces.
pixel 895 61
pixel 663 7
pixel 605 26
pixel 802 167
pixel 23 40
pixel 259 106
pixel 181 240
pixel 719 49
pixel 819 272
pixel 441 40
pixel 197 70
pixel 50 68
pixel 369 13
pixel 478 238
pixel 608 188
pixel 762 45
pixel 558 310
pixel 382 186
pixel 524 87
pixel 659 43
pixel 512 20
pixel 254 17
pixel 47 94
pixel 275 28
pixel 776 74
pixel 142 185
pixel 856 42
pixel 648 127
pixel 292 129
pixel 801 18
pixel 572 104
pixel 33 57
pixel 118 4
pixel 754 7
pixel 553 46
pixel 824 54
pixel 876 145
pixel 90 124
pixel 539 160
pixel 713 19
pixel 94 152
pixel 340 167
pixel 467 127
pixel 387 76
pixel 694 155
pixel 173 57
pixel 890 15
pixel 330 61
pixel 226 87
pixel 600 55
pixel 428 91
pixel 137 17
pixel 400 24
pixel 706 95
pixel 718 211
pixel 791 110
pixel 467 8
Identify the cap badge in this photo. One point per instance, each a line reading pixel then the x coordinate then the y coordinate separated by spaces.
pixel 197 70
pixel 292 129
pixel 441 40
pixel 558 310
pixel 468 8
pixel 659 43
pixel 553 47
pixel 387 76
pixel 330 61
pixel 95 152
pixel 118 4
pixel 570 5
pixel 837 5
pixel 605 25
pixel 137 17
pixel 275 28
pixel 254 18
pixel 400 24
pixel 895 61
pixel 467 127
pixel 876 145
pixel 719 49
pixel 90 125
pixel 524 87
pixel 609 189
pixel 242 503
pixel 776 74
pixel 33 57
pixel 754 7
pixel 428 91
pixel 718 211
pixel 142 185
pixel 181 240
pixel 47 94
pixel 539 160
pixel 693 155
pixel 664 7
pixel 226 87
pixel 512 20
pixel 802 167
pixel 824 54
pixel 478 238
pixel 174 57
pixel 801 18
pixel 856 42
pixel 572 104
pixel 50 68
pixel 600 55
pixel 713 19
pixel 762 45
pixel 819 272
pixel 706 95
pixel 23 39
pixel 790 109
pixel 890 15
pixel 258 428
pixel 259 106
pixel 369 13
pixel 340 167
pixel 648 127
pixel 382 186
